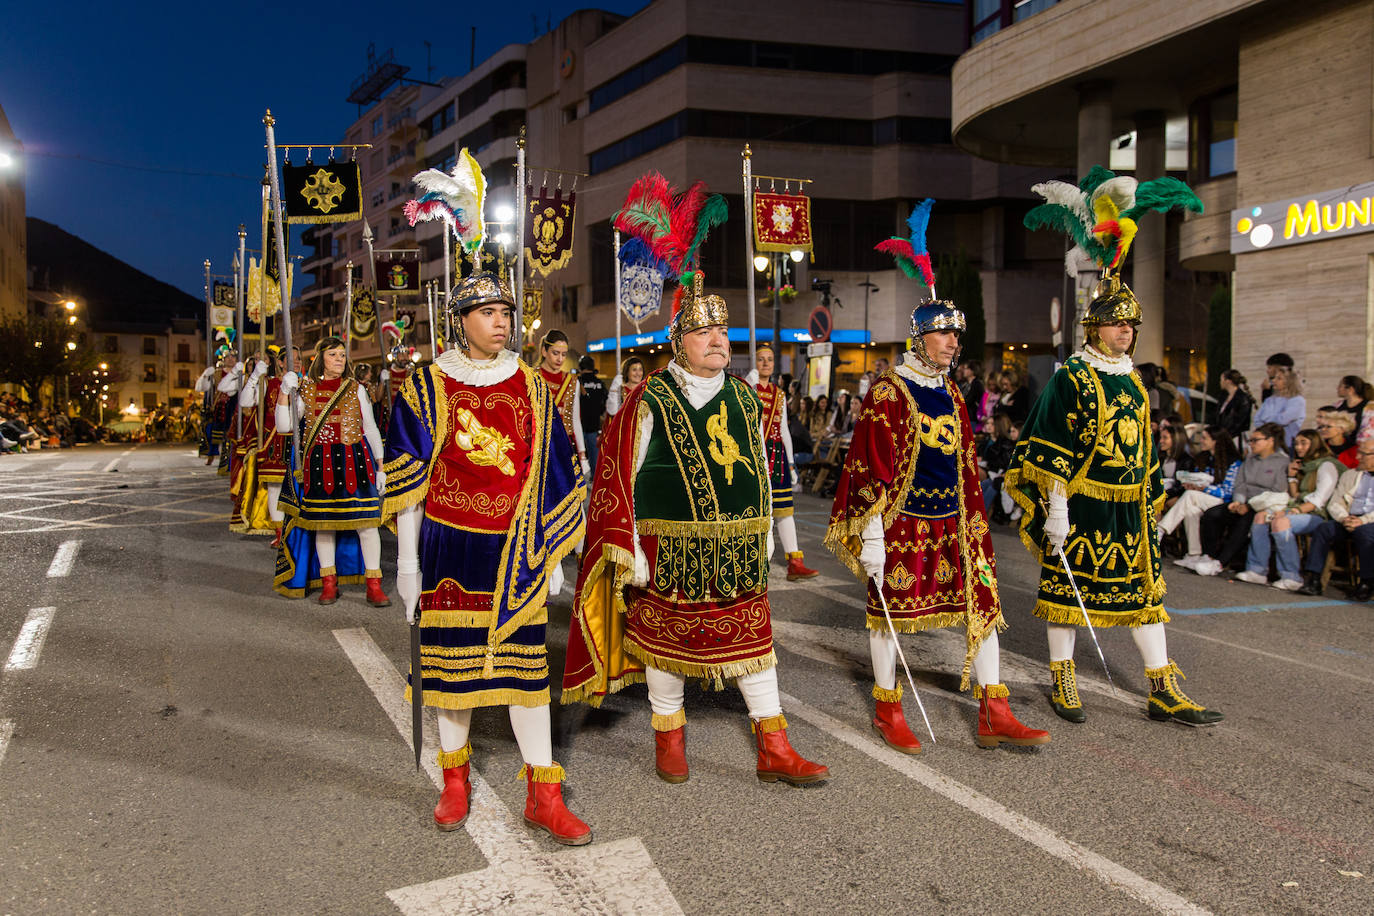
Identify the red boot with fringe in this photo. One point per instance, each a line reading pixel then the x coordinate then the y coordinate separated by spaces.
pixel 890 722
pixel 777 759
pixel 670 747
pixel 996 724
pixel 452 810
pixel 375 596
pixel 544 807
pixel 796 569
pixel 329 588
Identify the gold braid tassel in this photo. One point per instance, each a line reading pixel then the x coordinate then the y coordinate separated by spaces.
pixel 669 723
pixel 450 759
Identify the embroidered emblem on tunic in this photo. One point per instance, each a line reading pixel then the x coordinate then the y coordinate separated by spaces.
pixel 938 432
pixel 724 449
pixel 944 572
pixel 484 446
pixel 899 579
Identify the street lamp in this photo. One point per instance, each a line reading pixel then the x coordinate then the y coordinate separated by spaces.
pixel 504 213
pixel 797 254
pixel 869 287
pixel 761 263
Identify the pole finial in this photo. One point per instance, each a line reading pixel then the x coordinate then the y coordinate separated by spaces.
pixel 268 119
pixel 748 153
pixel 521 141
pixel 207 263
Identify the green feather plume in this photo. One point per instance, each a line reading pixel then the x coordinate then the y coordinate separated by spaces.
pixel 1162 195
pixel 1096 175
pixel 713 212
pixel 1064 220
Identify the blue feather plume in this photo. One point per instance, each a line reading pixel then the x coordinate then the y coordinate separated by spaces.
pixel 917 222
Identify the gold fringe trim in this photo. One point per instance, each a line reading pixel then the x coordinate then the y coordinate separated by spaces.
pixel 586 694
pixel 991 691
pixel 669 723
pixel 316 525
pixel 1065 666
pixel 328 571
pixel 883 695
pixel 844 538
pixel 1171 668
pixel 1072 616
pixel 784 512
pixel 478 699
pixel 450 759
pixel 729 528
pixel 372 574
pixel 769 725
pixel 712 676
pixel 796 555
pixel 553 773
pixel 878 623
pixel 621 566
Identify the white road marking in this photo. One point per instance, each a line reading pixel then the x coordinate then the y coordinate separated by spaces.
pixel 30 640
pixel 1105 870
pixel 76 466
pixel 1281 658
pixel 123 454
pixel 782 584
pixel 63 560
pixel 6 732
pixel 521 876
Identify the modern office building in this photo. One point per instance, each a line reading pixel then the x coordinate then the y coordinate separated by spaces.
pixel 1271 108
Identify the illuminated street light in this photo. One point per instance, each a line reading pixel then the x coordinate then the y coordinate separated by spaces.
pixel 104 366
pixel 71 345
pixel 69 305
pixel 71 319
pixel 505 213
pixel 6 160
pixel 797 254
pixel 760 262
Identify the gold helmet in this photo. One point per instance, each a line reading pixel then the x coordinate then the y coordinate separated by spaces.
pixel 694 310
pixel 479 288
pixel 1112 301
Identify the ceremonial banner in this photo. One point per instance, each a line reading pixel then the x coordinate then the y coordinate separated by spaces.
pixel 267 290
pixel 549 230
pixel 363 315
pixel 533 305
pixel 331 193
pixel 397 275
pixel 224 294
pixel 782 222
pixel 273 271
pixel 641 291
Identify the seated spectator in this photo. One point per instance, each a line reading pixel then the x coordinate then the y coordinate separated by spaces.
pixel 1173 457
pixel 1236 408
pixel 802 446
pixel 818 421
pixel 1226 528
pixel 1015 399
pixel 1215 454
pixel 1312 477
pixel 1284 404
pixel 992 461
pixel 1337 429
pixel 1351 509
pixel 1354 395
pixel 991 394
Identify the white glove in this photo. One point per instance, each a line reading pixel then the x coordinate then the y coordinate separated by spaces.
pixel 1057 521
pixel 290 383
pixel 796 478
pixel 408 587
pixel 208 372
pixel 640 578
pixel 873 557
pixel 772 546
pixel 260 368
pixel 381 483
pixel 556 580
pixel 586 467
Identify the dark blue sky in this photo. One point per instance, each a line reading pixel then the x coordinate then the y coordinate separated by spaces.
pixel 178 91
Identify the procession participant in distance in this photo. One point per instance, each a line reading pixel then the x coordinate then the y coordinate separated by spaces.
pixel 249 514
pixel 223 408
pixel 272 460
pixel 487 497
pixel 909 519
pixel 212 432
pixel 566 391
pixel 630 376
pixel 341 479
pixel 674 583
pixel 1087 473
pixel 782 475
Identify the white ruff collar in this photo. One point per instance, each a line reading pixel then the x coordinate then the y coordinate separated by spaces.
pixel 460 367
pixel 1111 365
pixel 697 390
pixel 914 368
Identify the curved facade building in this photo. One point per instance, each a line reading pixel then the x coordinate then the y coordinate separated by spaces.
pixel 1265 106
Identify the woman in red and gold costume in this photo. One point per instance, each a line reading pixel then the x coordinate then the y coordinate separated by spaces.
pixel 782 474
pixel 341 480
pixel 563 385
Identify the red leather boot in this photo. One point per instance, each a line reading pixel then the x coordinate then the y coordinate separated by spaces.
pixel 670 747
pixel 375 596
pixel 452 810
pixel 777 759
pixel 544 807
pixel 996 724
pixel 329 588
pixel 796 569
pixel 276 541
pixel 890 723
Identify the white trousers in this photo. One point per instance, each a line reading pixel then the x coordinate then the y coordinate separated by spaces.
pixel 531 724
pixel 760 691
pixel 787 534
pixel 1188 509
pixel 368 539
pixel 273 511
pixel 987 665
pixel 1149 640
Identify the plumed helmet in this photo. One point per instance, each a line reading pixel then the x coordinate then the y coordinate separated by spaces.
pixel 1112 301
pixel 936 315
pixel 476 289
pixel 696 310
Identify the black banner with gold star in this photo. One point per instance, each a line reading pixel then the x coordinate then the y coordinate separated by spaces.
pixel 330 193
pixel 549 229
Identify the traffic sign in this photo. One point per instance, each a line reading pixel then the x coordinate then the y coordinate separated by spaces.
pixel 819 324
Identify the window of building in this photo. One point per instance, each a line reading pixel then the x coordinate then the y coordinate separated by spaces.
pixel 1212 136
pixel 510 75
pixel 111 343
pixel 183 353
pixel 569 114
pixel 376 125
pixel 988 17
pixel 438 121
pixel 378 198
pixel 183 378
pixel 150 346
pixel 149 400
pixel 150 372
pixel 599 248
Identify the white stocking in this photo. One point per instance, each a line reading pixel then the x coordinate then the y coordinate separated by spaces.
pixel 274 494
pixel 534 734
pixel 324 548
pixel 987 665
pixel 787 533
pixel 453 728
pixel 1149 639
pixel 883 649
pixel 371 543
pixel 1061 641
pixel 760 691
pixel 665 690
pixel 1192 526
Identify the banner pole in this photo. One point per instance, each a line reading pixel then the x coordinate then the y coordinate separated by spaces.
pixel 749 253
pixel 384 369
pixel 242 342
pixel 616 256
pixel 209 321
pixel 518 330
pixel 433 346
pixel 275 183
pixel 347 334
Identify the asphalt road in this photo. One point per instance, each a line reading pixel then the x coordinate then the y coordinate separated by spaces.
pixel 175 737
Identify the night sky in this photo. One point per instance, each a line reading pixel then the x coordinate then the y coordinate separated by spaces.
pixel 141 122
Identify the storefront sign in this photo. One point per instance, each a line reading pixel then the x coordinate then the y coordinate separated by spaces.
pixel 1346 211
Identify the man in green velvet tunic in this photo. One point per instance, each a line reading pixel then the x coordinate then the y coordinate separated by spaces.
pixel 1087 474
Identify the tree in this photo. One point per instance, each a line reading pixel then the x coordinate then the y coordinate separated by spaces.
pixel 957 279
pixel 1218 336
pixel 34 350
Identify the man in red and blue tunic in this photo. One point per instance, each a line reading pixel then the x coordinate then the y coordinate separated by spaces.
pixel 487 497
pixel 909 520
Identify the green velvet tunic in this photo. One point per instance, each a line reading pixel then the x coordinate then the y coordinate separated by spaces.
pixel 1088 434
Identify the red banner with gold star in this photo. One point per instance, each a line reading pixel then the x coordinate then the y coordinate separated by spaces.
pixel 782 222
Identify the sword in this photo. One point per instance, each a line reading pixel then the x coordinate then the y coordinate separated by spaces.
pixel 900 654
pixel 417 684
pixel 1074 585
